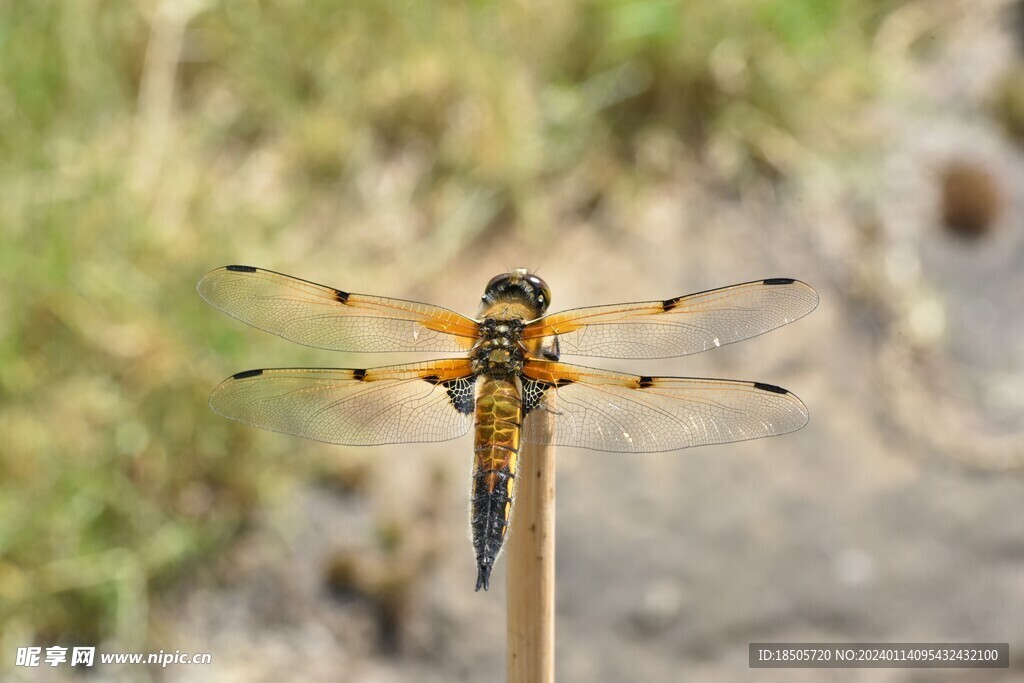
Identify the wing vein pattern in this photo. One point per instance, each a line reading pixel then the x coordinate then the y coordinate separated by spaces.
pixel 326 318
pixel 392 404
pixel 609 411
pixel 680 326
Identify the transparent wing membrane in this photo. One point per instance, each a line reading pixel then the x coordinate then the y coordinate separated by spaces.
pixel 608 411
pixel 394 404
pixel 327 318
pixel 680 326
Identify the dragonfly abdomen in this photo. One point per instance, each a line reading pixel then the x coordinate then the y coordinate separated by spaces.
pixel 496 450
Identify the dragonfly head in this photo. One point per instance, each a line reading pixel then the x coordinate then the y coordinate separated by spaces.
pixel 521 286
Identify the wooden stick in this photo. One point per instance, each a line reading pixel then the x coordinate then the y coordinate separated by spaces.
pixel 531 566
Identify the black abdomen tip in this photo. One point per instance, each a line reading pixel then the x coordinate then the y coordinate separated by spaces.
pixel 483 575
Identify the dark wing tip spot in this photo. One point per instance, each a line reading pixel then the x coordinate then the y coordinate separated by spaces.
pixel 779 281
pixel 341 296
pixel 769 387
pixel 646 382
pixel 247 373
pixel 563 382
pixel 359 375
pixel 241 269
pixel 669 304
pixel 433 379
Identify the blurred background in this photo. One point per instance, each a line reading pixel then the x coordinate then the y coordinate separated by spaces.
pixel 629 150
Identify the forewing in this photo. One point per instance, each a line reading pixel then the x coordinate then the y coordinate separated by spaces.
pixel 608 411
pixel 396 404
pixel 327 318
pixel 680 326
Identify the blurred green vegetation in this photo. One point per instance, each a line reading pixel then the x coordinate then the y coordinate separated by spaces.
pixel 142 144
pixel 1008 101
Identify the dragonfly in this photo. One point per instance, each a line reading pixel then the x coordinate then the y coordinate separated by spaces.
pixel 508 372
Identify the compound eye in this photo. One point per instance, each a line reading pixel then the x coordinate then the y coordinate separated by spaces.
pixel 497 279
pixel 544 292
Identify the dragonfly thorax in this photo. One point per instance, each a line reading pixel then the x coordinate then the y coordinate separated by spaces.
pixel 499 351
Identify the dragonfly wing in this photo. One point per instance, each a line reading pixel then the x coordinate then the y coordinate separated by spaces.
pixel 680 326
pixel 609 411
pixel 328 318
pixel 416 402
